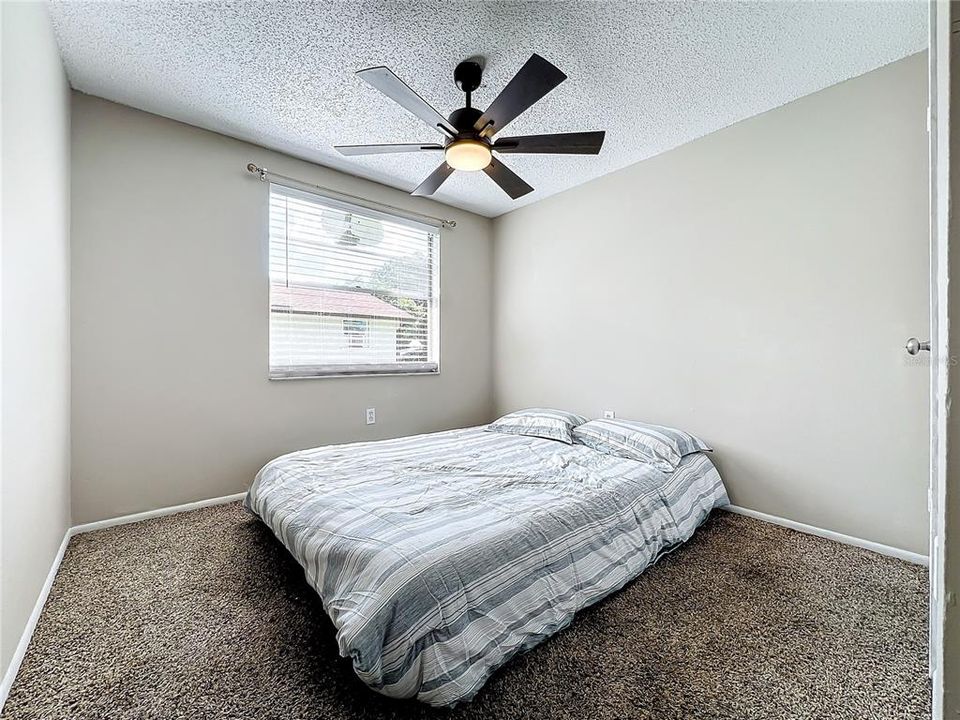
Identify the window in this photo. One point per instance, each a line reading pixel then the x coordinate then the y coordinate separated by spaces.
pixel 353 291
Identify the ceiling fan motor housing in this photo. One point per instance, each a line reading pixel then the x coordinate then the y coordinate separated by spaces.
pixel 463 120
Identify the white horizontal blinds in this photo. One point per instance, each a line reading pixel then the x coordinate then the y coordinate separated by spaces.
pixel 352 290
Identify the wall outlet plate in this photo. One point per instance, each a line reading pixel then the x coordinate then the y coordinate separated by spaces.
pixel 609 414
pixel 371 416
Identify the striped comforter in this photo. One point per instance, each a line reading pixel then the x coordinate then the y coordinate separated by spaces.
pixel 438 557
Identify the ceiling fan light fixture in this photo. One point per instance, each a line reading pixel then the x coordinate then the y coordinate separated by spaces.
pixel 469 155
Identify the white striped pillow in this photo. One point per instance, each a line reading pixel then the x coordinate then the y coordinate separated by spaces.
pixel 661 446
pixel 539 422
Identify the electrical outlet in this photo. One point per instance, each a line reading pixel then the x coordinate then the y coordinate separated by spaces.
pixel 609 414
pixel 371 416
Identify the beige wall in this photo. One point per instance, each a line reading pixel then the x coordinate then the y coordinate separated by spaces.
pixel 35 258
pixel 755 287
pixel 171 401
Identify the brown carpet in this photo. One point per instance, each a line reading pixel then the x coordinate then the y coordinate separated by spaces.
pixel 204 615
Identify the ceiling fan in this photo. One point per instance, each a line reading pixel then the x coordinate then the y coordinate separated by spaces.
pixel 469 143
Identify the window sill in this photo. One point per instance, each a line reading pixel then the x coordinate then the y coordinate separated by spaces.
pixel 312 373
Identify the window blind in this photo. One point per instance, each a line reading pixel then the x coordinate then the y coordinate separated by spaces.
pixel 353 291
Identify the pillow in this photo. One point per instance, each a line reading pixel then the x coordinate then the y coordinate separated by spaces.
pixel 661 446
pixel 539 422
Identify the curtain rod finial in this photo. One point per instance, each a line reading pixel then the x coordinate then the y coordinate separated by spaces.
pixel 262 172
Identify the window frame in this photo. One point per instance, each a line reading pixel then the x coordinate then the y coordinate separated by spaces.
pixel 325 371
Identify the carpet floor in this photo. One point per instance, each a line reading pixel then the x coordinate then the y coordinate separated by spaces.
pixel 204 615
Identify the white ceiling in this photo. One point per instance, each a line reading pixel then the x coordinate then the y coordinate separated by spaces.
pixel 653 75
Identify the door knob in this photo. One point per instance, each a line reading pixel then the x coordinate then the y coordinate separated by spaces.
pixel 914 346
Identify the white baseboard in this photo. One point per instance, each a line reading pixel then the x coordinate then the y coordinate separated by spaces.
pixel 137 517
pixel 21 650
pixel 17 659
pixel 910 557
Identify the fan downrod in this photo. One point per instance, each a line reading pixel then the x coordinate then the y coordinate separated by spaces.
pixel 467 75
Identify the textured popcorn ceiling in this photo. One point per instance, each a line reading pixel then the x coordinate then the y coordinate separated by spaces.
pixel 653 75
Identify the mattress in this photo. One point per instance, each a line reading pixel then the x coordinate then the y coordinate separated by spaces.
pixel 438 557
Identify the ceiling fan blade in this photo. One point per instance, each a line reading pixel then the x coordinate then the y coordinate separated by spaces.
pixel 511 183
pixel 397 90
pixel 381 149
pixel 535 79
pixel 434 180
pixel 577 143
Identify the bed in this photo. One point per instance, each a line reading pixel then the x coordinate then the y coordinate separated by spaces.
pixel 438 557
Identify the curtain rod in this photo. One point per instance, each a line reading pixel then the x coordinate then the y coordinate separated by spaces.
pixel 264 174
